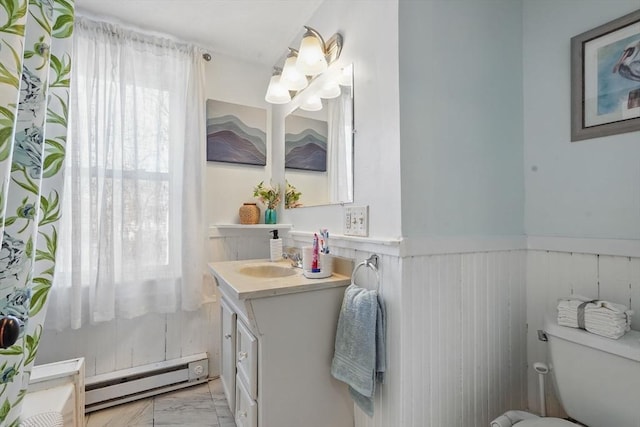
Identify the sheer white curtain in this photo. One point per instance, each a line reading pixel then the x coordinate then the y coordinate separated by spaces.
pixel 340 148
pixel 132 235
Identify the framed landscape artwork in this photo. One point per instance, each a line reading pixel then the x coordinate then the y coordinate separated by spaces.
pixel 605 79
pixel 305 143
pixel 236 133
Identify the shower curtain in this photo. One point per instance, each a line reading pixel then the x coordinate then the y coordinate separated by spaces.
pixel 35 65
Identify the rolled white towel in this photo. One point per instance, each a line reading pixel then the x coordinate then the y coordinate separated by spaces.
pixel 594 320
pixel 570 306
pixel 601 314
pixel 609 331
pixel 600 317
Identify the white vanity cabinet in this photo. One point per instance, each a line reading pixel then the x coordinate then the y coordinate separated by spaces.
pixel 228 353
pixel 279 372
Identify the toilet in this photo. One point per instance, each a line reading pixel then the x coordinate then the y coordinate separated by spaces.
pixel 597 380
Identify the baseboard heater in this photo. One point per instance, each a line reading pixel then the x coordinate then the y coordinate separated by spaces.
pixel 105 390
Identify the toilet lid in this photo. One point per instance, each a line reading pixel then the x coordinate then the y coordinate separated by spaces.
pixel 545 422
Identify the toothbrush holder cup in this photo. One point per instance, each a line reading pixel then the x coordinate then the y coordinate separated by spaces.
pixel 325 261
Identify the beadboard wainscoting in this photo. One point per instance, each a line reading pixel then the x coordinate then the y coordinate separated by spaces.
pixel 456 328
pixel 463 338
pixel 552 275
pixel 459 358
pixel 127 343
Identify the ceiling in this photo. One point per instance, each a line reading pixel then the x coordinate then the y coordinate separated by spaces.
pixel 254 30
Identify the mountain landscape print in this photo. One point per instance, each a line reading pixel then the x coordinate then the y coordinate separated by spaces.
pixel 236 133
pixel 306 149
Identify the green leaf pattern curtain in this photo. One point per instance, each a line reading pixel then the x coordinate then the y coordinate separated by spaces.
pixel 35 65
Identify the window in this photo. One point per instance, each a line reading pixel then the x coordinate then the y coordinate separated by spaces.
pixel 133 167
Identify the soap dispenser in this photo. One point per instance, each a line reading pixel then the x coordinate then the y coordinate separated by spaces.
pixel 275 246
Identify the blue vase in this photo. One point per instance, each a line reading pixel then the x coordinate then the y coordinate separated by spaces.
pixel 270 216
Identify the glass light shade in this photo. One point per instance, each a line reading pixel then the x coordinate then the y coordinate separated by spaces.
pixel 291 78
pixel 311 60
pixel 276 92
pixel 314 103
pixel 329 90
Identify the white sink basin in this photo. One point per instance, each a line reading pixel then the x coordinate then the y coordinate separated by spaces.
pixel 267 271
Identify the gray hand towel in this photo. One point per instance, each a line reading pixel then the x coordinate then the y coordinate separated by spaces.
pixel 359 358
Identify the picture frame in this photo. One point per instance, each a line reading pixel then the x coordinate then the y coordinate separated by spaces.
pixel 236 133
pixel 605 79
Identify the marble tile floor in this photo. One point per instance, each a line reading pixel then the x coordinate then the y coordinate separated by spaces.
pixel 203 405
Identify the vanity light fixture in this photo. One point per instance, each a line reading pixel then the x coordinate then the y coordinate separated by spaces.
pixel 276 92
pixel 331 89
pixel 314 55
pixel 303 65
pixel 292 78
pixel 313 103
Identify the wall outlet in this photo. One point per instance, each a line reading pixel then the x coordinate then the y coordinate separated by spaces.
pixel 356 221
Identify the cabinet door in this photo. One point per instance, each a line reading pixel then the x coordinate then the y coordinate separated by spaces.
pixel 228 350
pixel 247 359
pixel 247 409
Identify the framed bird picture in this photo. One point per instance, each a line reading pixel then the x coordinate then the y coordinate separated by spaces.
pixel 605 79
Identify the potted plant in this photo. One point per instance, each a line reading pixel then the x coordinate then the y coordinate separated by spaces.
pixel 270 196
pixel 291 197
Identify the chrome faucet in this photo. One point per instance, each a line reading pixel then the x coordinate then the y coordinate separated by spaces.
pixel 295 258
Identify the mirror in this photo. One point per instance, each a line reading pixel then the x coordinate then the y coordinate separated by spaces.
pixel 318 144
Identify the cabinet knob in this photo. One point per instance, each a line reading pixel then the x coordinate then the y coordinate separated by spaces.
pixel 242 355
pixel 243 414
pixel 227 336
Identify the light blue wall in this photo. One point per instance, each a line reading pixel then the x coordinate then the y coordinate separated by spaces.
pixel 581 189
pixel 461 117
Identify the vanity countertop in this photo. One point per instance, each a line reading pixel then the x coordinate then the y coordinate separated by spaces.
pixel 243 286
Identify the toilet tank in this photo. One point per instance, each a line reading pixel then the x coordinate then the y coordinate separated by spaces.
pixel 597 378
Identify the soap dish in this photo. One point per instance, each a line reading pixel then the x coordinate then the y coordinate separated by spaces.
pixel 319 275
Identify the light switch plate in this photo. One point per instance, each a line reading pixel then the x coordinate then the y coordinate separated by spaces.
pixel 356 221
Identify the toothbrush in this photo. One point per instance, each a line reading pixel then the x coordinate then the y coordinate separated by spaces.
pixel 314 262
pixel 325 235
pixel 326 240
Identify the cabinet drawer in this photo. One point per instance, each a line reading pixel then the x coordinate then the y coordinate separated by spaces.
pixel 247 359
pixel 228 353
pixel 246 408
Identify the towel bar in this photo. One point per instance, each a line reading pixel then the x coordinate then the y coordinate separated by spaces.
pixel 372 263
